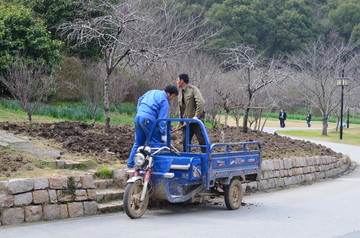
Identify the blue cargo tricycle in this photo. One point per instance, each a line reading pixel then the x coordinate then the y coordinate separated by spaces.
pixel 162 172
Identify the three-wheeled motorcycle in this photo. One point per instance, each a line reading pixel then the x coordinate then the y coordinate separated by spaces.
pixel 162 172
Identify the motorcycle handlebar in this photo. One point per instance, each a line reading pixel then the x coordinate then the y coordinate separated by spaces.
pixel 158 150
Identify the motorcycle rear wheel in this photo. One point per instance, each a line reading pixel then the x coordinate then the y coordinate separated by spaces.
pixel 233 194
pixel 133 207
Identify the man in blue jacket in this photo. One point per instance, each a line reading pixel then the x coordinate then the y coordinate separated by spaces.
pixel 153 105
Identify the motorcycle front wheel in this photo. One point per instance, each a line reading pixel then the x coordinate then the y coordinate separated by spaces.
pixel 133 207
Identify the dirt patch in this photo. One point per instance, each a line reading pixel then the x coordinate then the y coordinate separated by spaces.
pixel 10 164
pixel 274 146
pixel 114 147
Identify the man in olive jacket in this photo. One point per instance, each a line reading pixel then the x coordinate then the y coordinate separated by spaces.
pixel 191 105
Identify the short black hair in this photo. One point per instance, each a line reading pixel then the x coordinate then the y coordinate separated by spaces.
pixel 184 77
pixel 171 89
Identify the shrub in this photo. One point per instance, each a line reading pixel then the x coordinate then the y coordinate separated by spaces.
pixel 104 173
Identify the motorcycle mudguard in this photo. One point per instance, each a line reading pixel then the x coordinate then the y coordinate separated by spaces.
pixel 134 179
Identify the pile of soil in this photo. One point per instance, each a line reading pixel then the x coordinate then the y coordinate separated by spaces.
pixel 84 138
pixel 9 164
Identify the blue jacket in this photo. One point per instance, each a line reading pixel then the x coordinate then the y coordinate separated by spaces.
pixel 153 105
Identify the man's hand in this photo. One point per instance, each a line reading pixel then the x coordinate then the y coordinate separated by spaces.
pixel 194 118
pixel 164 138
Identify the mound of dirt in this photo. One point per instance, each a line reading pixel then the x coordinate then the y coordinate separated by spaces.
pixel 84 138
pixel 9 164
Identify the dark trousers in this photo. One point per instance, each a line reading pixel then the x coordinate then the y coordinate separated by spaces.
pixel 194 129
pixel 282 122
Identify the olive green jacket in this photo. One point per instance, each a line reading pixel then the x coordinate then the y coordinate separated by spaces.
pixel 194 103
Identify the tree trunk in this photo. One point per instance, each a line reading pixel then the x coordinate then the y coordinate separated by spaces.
pixel 246 114
pixel 30 118
pixel 245 121
pixel 95 111
pixel 237 119
pixel 226 120
pixel 107 103
pixel 337 124
pixel 325 125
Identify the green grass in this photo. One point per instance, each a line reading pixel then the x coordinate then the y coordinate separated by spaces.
pixel 302 117
pixel 350 135
pixel 46 164
pixel 104 173
pixel 103 201
pixel 126 108
pixel 70 111
pixel 12 115
pixel 81 166
pixel 11 111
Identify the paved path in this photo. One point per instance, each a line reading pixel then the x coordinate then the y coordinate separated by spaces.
pixel 7 138
pixel 23 143
pixel 279 129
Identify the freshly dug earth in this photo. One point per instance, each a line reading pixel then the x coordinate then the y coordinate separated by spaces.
pixel 82 138
pixel 10 164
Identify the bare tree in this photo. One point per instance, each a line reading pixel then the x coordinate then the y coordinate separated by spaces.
pixel 29 83
pixel 204 73
pixel 253 71
pixel 130 31
pixel 316 70
pixel 87 82
pixel 120 87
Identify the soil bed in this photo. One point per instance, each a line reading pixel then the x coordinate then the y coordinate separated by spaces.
pixel 78 137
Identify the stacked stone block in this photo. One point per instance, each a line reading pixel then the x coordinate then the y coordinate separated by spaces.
pixel 35 199
pixel 281 173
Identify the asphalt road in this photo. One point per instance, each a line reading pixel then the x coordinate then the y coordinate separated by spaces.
pixel 325 209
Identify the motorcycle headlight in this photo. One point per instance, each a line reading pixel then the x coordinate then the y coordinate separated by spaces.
pixel 139 159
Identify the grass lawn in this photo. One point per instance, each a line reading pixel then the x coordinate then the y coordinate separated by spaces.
pixel 8 115
pixel 13 116
pixel 350 135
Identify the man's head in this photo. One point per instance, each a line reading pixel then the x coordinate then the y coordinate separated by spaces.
pixel 182 80
pixel 171 92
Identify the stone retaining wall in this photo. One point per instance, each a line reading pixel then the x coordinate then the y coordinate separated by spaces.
pixel 281 173
pixel 35 199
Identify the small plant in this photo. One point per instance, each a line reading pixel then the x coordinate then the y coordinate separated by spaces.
pixel 119 209
pixel 126 108
pixel 81 166
pixel 104 173
pixel 71 187
pixel 44 164
pixel 103 201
